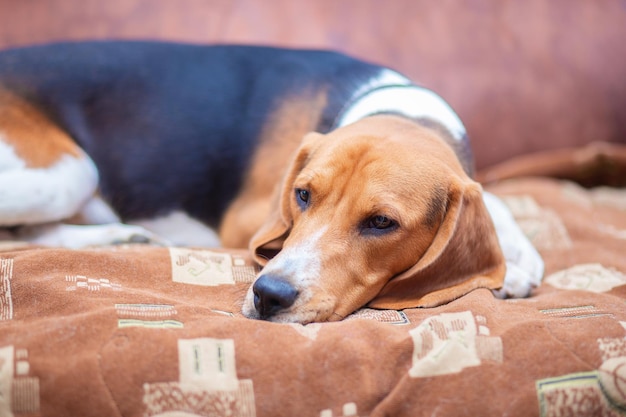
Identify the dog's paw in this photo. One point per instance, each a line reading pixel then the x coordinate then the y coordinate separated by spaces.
pixel 123 234
pixel 81 236
pixel 518 283
pixel 524 266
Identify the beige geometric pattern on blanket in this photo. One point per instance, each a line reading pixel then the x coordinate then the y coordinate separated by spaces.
pixel 19 392
pixel 598 196
pixel 577 394
pixel 612 378
pixel 383 316
pixel 83 282
pixel 609 197
pixel 589 277
pixel 594 393
pixel 450 342
pixel 612 372
pixel 207 384
pixel 208 268
pixel 153 316
pixel 6 379
pixel 6 300
pixel 348 410
pixel 542 226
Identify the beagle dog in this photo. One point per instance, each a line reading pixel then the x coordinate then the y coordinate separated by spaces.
pixel 350 184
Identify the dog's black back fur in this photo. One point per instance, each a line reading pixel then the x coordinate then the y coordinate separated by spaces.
pixel 150 113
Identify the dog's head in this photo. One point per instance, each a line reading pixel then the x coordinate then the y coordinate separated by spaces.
pixel 376 213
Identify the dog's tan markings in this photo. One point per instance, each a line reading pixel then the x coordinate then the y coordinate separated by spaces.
pixel 281 136
pixel 459 147
pixel 34 137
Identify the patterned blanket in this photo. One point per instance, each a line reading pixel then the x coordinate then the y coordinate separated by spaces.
pixel 148 331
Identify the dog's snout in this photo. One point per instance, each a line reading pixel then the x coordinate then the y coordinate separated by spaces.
pixel 272 294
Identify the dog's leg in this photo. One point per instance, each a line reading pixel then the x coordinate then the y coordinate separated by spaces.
pixel 80 236
pixel 95 211
pixel 36 199
pixel 45 178
pixel 44 175
pixel 178 229
pixel 94 225
pixel 39 195
pixel 524 266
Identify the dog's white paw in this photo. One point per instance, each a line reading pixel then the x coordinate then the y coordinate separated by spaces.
pixel 120 234
pixel 524 266
pixel 519 282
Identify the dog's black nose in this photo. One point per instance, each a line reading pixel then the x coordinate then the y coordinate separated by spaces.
pixel 272 294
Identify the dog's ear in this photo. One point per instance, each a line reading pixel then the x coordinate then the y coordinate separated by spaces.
pixel 464 255
pixel 269 239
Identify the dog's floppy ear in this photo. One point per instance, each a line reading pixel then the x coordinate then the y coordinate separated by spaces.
pixel 269 239
pixel 464 255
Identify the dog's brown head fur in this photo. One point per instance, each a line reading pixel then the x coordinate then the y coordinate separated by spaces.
pixel 379 212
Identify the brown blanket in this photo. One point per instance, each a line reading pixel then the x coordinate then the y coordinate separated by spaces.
pixel 145 331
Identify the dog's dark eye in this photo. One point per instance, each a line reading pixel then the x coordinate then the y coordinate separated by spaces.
pixel 378 225
pixel 302 197
pixel 380 222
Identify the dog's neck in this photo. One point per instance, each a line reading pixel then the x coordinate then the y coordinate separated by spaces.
pixel 392 93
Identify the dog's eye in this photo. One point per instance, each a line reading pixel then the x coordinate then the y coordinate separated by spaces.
pixel 302 197
pixel 380 222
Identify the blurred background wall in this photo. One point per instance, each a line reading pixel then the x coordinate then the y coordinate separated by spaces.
pixel 523 75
